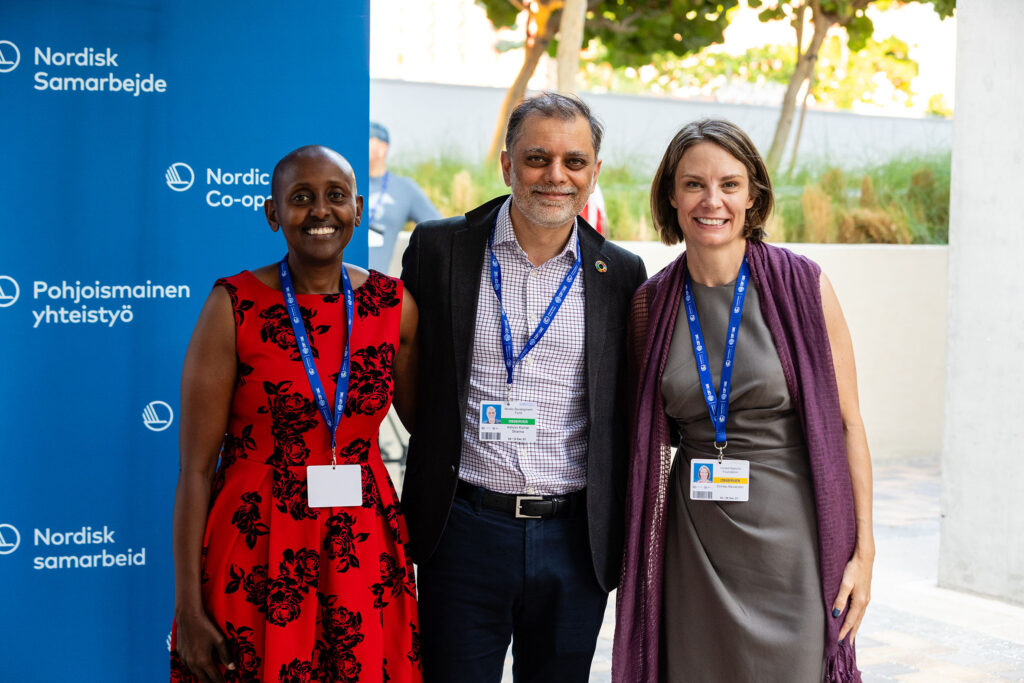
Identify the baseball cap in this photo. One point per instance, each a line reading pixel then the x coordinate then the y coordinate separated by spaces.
pixel 380 132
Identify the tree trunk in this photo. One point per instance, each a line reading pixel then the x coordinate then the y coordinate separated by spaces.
pixel 570 42
pixel 515 93
pixel 800 128
pixel 803 71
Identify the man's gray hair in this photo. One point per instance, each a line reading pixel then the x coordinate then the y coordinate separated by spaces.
pixel 552 105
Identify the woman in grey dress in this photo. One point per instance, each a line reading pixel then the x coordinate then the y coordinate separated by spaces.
pixel 741 352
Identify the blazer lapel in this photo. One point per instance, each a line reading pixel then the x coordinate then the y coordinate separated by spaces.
pixel 468 246
pixel 596 289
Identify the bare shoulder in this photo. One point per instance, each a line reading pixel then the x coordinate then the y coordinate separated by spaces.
pixel 268 276
pixel 358 276
pixel 213 338
pixel 829 300
pixel 409 307
pixel 218 306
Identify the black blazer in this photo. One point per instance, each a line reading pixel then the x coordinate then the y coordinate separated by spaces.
pixel 441 268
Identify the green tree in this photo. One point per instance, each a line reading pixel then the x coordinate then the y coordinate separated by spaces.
pixel 543 19
pixel 635 30
pixel 632 31
pixel 845 77
pixel 821 15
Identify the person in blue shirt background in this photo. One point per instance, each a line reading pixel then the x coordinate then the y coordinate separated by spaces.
pixel 393 200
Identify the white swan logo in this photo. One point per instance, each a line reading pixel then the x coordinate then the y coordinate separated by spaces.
pixel 9 291
pixel 157 416
pixel 10 539
pixel 179 176
pixel 10 57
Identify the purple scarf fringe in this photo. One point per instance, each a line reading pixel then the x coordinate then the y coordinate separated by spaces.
pixel 790 295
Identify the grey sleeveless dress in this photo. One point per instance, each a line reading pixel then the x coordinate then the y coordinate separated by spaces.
pixel 742 588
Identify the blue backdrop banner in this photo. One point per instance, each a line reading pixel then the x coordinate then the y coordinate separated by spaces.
pixel 138 139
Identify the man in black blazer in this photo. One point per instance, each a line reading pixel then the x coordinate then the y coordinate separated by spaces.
pixel 517 527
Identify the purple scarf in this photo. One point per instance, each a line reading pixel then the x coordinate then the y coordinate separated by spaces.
pixel 790 295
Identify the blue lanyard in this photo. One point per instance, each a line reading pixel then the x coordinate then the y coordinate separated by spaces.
pixel 378 206
pixel 718 408
pixel 307 353
pixel 545 322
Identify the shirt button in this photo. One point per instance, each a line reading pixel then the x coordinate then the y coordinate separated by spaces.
pixel 529 360
pixel 522 452
pixel 535 272
pixel 532 318
pixel 530 490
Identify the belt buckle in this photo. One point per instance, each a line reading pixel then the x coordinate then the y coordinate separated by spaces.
pixel 519 507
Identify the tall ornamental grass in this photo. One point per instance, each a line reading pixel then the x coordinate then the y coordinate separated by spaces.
pixel 904 201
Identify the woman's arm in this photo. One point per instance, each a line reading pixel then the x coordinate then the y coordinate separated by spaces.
pixel 856 583
pixel 407 361
pixel 207 382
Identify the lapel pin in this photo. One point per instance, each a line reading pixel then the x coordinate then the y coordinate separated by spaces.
pixel 601 266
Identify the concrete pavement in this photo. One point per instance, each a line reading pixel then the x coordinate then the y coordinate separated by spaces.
pixel 914 631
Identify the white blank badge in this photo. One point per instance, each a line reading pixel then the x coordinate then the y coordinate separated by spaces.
pixel 724 480
pixel 337 486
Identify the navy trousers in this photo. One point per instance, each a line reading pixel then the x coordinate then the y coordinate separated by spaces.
pixel 494 578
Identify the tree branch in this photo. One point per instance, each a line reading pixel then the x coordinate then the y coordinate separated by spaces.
pixel 800 30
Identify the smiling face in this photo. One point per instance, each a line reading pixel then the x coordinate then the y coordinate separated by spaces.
pixel 551 168
pixel 711 196
pixel 704 473
pixel 315 204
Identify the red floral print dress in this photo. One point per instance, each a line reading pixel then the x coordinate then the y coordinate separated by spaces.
pixel 308 595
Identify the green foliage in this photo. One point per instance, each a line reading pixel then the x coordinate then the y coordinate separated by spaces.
pixel 905 200
pixel 443 180
pixel 847 13
pixel 704 71
pixel 843 8
pixel 633 30
pixel 859 29
pixel 627 203
pixel 944 8
pixel 776 13
pixel 843 77
pixel 846 77
pixel 937 106
pixel 502 13
pixel 455 187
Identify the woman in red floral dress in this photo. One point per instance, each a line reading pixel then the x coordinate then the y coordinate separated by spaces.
pixel 268 588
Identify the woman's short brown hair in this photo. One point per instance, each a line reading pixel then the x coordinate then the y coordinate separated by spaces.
pixel 733 140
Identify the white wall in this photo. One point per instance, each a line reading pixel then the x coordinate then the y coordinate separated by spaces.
pixel 982 546
pixel 894 300
pixel 427 120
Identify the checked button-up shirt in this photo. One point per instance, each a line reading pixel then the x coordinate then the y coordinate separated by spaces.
pixel 551 375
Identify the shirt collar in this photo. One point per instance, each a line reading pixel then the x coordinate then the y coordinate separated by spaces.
pixel 504 234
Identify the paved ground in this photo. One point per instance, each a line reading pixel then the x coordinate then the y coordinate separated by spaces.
pixel 913 631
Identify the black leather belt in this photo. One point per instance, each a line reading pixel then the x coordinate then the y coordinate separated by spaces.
pixel 521 507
